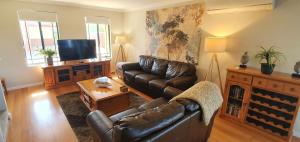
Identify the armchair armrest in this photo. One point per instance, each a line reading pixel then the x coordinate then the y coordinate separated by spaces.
pixel 101 125
pixel 131 66
pixel 183 82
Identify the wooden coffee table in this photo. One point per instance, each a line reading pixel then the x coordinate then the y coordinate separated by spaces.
pixel 109 100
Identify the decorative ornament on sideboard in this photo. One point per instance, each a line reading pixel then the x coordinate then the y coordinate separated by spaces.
pixel 244 60
pixel 297 70
pixel 49 54
pixel 268 59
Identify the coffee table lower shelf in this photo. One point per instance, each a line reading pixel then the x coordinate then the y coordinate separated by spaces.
pixel 109 106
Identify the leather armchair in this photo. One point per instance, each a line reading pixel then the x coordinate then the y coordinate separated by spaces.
pixel 152 75
pixel 156 121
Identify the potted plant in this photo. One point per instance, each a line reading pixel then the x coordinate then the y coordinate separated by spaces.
pixel 271 57
pixel 49 54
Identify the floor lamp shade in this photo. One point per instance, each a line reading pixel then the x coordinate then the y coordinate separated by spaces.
pixel 120 39
pixel 215 44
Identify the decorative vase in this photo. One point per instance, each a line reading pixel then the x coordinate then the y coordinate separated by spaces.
pixel 297 70
pixel 267 68
pixel 50 60
pixel 244 60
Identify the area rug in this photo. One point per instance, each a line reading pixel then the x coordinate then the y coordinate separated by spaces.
pixel 76 113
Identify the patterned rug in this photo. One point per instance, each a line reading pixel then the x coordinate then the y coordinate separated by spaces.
pixel 76 113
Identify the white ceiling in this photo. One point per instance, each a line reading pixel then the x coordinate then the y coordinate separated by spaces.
pixel 120 5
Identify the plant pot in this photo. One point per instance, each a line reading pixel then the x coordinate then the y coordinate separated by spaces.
pixel 267 68
pixel 50 61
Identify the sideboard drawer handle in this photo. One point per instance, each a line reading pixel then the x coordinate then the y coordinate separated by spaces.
pixel 259 82
pixel 292 89
pixel 275 85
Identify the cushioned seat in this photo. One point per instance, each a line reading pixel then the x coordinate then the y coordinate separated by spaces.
pixel 157 87
pixel 133 128
pixel 130 75
pixel 119 116
pixel 155 103
pixel 170 92
pixel 145 78
pixel 158 84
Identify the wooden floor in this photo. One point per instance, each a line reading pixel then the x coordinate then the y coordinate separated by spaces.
pixel 38 117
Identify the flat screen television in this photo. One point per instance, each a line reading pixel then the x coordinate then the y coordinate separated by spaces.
pixel 76 49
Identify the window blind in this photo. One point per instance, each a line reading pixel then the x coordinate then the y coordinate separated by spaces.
pixel 97 20
pixel 31 15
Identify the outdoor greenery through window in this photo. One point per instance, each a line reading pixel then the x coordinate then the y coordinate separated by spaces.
pixel 38 35
pixel 100 33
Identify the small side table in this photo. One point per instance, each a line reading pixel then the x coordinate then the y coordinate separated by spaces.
pixel 3 85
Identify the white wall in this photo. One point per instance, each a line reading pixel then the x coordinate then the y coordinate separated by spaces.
pixel 71 25
pixel 134 28
pixel 245 31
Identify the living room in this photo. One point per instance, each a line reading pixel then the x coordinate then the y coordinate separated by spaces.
pixel 187 43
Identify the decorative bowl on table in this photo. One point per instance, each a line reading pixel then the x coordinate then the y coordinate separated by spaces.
pixel 102 82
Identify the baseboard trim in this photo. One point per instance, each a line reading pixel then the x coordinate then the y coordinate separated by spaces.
pixel 24 86
pixel 296 134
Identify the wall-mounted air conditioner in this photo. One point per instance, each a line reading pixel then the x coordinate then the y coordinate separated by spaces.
pixel 231 6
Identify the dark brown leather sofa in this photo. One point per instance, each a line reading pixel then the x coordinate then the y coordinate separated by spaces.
pixel 152 75
pixel 156 121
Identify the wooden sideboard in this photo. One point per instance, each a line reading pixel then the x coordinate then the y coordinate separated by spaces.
pixel 69 73
pixel 267 102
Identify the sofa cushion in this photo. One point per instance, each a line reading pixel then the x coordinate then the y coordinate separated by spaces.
pixel 146 63
pixel 158 84
pixel 177 69
pixel 159 67
pixel 130 75
pixel 171 92
pixel 136 126
pixel 117 117
pixel 145 78
pixel 154 103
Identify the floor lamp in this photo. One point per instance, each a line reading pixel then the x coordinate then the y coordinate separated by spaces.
pixel 120 40
pixel 215 45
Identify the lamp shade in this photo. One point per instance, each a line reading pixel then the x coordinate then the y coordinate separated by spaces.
pixel 215 44
pixel 120 39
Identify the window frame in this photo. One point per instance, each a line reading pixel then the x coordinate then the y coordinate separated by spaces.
pixel 40 28
pixel 98 37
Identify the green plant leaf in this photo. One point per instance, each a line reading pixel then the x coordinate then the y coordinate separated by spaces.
pixel 271 55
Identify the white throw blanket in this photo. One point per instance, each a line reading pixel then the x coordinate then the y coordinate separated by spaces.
pixel 207 95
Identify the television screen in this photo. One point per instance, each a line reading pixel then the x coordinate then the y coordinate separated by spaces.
pixel 76 49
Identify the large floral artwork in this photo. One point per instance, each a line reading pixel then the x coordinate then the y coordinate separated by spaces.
pixel 174 33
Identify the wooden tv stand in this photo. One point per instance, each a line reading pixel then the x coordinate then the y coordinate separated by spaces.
pixel 63 73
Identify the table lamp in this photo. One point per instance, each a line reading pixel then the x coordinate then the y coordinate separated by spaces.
pixel 121 40
pixel 215 45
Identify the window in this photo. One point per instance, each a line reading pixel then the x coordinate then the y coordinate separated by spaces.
pixel 100 31
pixel 39 35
